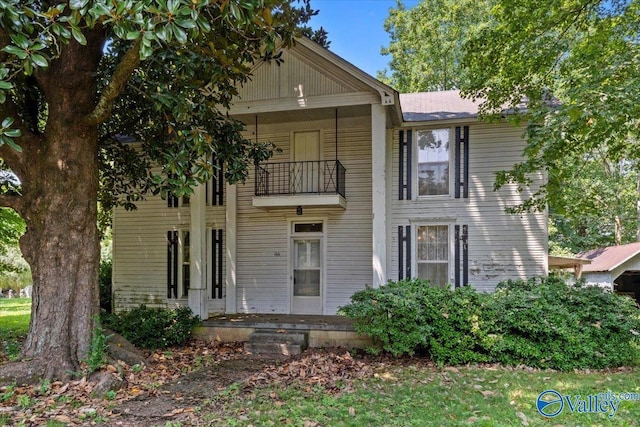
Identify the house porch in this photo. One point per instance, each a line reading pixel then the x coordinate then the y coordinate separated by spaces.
pixel 323 331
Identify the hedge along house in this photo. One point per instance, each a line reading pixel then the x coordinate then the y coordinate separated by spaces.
pixel 369 185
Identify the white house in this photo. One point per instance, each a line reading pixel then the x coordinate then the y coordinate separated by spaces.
pixel 616 268
pixel 369 186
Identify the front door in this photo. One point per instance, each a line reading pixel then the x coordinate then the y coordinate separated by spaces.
pixel 307 274
pixel 306 155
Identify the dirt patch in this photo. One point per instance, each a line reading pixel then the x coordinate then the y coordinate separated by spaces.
pixel 177 401
pixel 175 386
pixel 180 386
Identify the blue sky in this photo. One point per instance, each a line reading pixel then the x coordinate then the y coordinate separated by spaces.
pixel 356 29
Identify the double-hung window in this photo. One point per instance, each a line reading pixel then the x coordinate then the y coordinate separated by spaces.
pixel 432 260
pixel 433 162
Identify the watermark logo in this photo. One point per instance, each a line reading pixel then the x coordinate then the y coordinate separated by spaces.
pixel 550 403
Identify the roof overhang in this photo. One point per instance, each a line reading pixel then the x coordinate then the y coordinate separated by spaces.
pixel 566 263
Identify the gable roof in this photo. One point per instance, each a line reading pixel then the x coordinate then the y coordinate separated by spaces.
pixel 324 79
pixel 443 105
pixel 310 76
pixel 609 258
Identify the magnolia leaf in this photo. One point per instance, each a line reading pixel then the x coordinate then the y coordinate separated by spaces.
pixel 13 133
pixel 132 35
pixel 9 141
pixel 7 122
pixel 39 60
pixel 14 50
pixel 77 34
pixel 77 4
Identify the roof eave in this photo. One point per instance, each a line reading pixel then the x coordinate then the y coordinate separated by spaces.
pixel 388 95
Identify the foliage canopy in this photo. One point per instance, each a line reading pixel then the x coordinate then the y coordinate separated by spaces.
pixel 426 44
pixel 565 70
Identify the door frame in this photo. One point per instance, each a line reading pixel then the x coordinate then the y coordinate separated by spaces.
pixel 291 235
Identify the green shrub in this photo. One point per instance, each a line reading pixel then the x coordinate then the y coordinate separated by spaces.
pixel 153 327
pixel 98 352
pixel 542 323
pixel 546 323
pixel 391 315
pixel 411 316
pixel 460 327
pixel 104 281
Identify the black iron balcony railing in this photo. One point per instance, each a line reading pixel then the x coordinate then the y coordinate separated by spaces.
pixel 310 177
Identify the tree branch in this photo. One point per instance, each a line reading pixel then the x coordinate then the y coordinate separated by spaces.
pixel 15 159
pixel 119 79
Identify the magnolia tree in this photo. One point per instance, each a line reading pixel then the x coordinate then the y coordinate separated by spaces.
pixel 80 78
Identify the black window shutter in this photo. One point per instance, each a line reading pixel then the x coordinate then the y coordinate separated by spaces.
pixel 217 182
pixel 404 173
pixel 404 252
pixel 465 255
pixel 462 162
pixel 456 254
pixel 461 249
pixel 172 199
pixel 172 264
pixel 216 264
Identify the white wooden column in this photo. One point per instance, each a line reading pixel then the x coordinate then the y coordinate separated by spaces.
pixel 198 253
pixel 379 196
pixel 231 224
pixel 388 204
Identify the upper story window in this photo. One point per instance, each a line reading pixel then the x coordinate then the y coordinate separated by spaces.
pixel 433 156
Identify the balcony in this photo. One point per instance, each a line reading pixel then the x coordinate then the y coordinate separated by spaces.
pixel 308 183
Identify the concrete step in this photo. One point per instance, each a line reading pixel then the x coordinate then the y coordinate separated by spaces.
pixel 272 348
pixel 277 341
pixel 290 337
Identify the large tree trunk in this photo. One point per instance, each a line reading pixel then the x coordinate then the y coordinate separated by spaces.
pixel 62 243
pixel 62 247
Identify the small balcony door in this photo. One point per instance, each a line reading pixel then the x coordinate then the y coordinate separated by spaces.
pixel 307 268
pixel 306 154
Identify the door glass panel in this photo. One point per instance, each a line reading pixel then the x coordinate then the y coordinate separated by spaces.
pixel 306 283
pixel 308 254
pixel 308 228
pixel 306 271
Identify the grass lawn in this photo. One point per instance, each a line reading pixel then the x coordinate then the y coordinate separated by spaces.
pixel 425 396
pixel 14 325
pixel 15 314
pixel 408 393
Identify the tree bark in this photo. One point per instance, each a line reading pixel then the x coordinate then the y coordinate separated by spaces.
pixel 61 243
pixel 617 223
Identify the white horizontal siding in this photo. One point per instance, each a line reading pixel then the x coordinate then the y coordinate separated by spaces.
pixel 263 263
pixel 501 245
pixel 293 78
pixel 140 252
